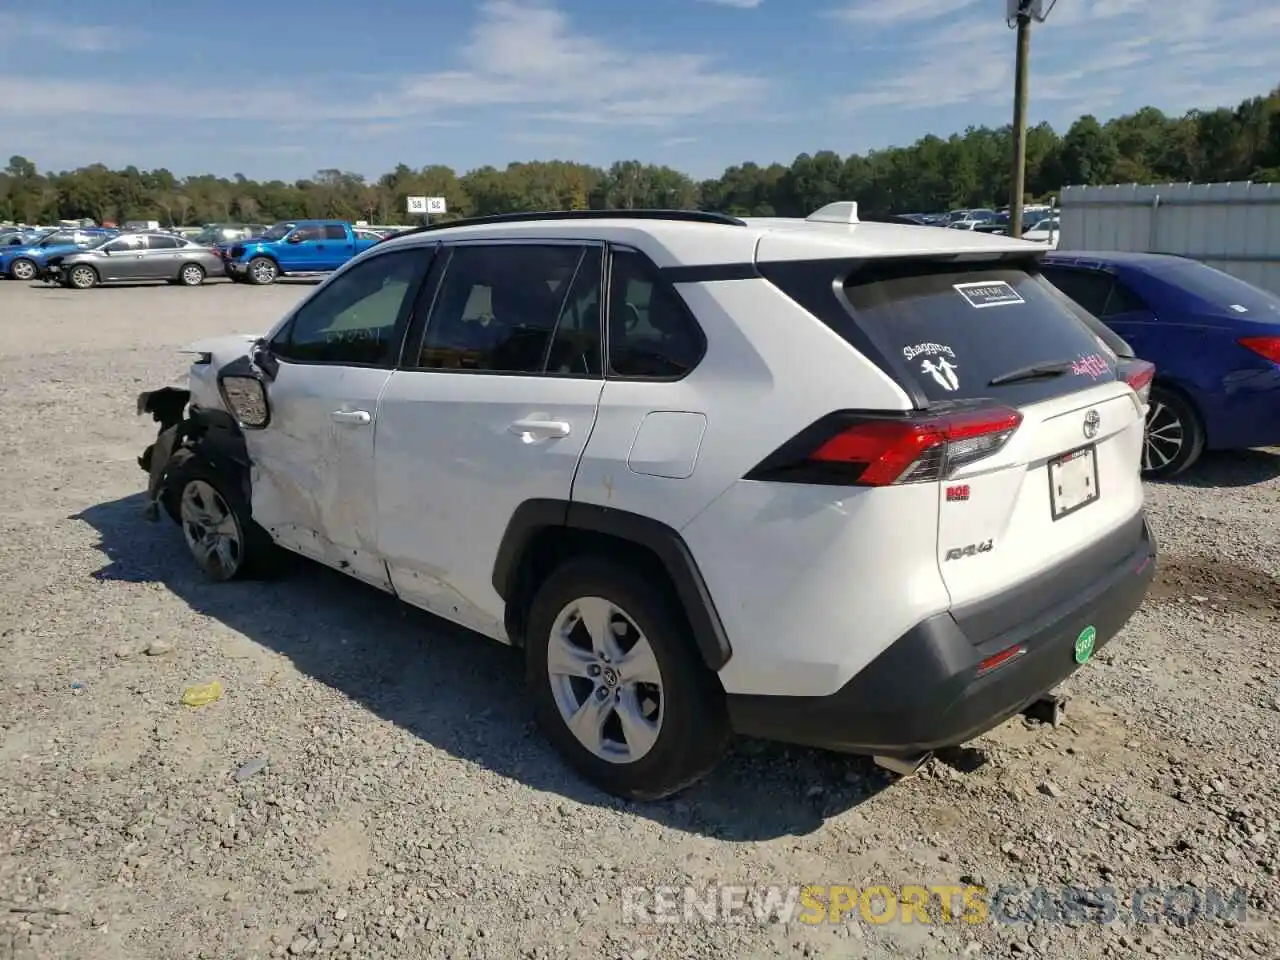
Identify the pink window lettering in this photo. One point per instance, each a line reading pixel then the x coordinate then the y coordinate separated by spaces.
pixel 1091 366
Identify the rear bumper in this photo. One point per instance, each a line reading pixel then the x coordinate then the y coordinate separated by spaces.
pixel 924 692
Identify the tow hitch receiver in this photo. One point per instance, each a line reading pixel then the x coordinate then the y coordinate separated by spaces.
pixel 1047 709
pixel 902 766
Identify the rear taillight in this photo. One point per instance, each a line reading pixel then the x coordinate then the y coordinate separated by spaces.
pixel 878 451
pixel 1267 347
pixel 1138 374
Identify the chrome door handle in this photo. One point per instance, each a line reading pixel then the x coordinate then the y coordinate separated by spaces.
pixel 351 416
pixel 531 429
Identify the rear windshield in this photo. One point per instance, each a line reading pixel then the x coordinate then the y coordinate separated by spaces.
pixel 957 330
pixel 1223 291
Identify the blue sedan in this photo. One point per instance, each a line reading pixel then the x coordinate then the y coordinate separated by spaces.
pixel 29 261
pixel 1214 340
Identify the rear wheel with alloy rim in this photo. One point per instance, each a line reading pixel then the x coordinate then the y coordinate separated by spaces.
pixel 1174 437
pixel 192 275
pixel 619 687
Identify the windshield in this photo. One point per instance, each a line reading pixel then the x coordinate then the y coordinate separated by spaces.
pixel 1223 291
pixel 278 232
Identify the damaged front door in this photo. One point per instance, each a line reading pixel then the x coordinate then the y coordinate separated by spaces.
pixel 313 484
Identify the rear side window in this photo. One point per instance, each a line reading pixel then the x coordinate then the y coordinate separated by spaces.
pixel 335 231
pixel 958 330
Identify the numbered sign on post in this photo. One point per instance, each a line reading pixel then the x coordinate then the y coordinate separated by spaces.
pixel 418 205
pixel 436 205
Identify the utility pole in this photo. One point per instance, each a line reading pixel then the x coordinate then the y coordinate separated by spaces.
pixel 1021 68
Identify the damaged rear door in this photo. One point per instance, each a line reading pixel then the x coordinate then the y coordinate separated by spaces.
pixel 313 484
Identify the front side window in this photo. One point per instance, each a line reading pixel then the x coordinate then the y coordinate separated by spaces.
pixel 516 308
pixel 355 318
pixel 278 232
pixel 305 234
pixel 652 334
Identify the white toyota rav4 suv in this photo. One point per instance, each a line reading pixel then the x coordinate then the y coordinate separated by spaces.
pixel 867 487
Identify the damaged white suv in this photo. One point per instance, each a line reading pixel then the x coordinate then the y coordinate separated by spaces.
pixel 862 486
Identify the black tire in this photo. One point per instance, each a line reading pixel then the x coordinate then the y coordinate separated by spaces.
pixel 262 270
pixel 694 728
pixel 190 275
pixel 23 269
pixel 1171 419
pixel 85 271
pixel 258 556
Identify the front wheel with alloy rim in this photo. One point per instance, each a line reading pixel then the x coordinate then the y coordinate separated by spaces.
pixel 82 277
pixel 191 275
pixel 1174 437
pixel 618 685
pixel 223 539
pixel 263 270
pixel 22 269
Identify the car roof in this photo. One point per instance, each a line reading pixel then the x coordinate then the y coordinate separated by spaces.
pixel 675 242
pixel 1119 258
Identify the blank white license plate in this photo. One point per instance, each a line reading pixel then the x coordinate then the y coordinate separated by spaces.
pixel 1073 481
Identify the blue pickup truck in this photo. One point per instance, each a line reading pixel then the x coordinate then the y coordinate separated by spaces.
pixel 293 247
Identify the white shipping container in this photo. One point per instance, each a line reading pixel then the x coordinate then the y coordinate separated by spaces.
pixel 1232 226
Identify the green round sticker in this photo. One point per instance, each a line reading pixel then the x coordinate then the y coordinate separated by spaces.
pixel 1084 644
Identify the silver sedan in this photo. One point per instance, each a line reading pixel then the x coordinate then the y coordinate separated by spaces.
pixel 134 257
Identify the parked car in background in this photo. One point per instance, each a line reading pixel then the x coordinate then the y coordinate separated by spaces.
pixel 213 234
pixel 1214 340
pixel 136 257
pixel 1045 230
pixel 29 261
pixel 294 247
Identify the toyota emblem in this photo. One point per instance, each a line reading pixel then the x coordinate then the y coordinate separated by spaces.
pixel 1091 424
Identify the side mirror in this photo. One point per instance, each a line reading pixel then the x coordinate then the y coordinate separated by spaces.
pixel 246 399
pixel 262 359
pixel 295 238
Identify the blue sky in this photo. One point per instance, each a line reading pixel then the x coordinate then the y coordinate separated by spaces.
pixel 281 90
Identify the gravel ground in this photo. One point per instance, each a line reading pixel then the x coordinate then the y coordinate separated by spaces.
pixel 370 784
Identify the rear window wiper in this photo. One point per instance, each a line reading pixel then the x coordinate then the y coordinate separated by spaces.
pixel 1036 371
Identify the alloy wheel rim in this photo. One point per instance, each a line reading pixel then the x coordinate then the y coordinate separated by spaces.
pixel 191 275
pixel 263 271
pixel 605 680
pixel 1165 436
pixel 211 530
pixel 82 277
pixel 23 270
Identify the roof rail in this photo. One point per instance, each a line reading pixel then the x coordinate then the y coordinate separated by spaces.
pixel 685 216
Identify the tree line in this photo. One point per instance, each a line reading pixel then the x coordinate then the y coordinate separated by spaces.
pixel 964 170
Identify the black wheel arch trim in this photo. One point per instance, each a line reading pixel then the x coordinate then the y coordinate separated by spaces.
pixel 534 516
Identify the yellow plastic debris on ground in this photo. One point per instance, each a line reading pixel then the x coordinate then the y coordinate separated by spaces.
pixel 202 694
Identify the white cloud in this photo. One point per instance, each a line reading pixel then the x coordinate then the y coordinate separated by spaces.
pixel 519 55
pixel 62 35
pixel 736 4
pixel 1097 56
pixel 527 54
pixel 891 13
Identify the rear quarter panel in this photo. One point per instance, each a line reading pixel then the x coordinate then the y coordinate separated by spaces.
pixel 1236 392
